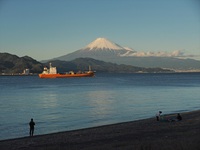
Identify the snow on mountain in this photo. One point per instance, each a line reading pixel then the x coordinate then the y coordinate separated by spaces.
pixel 101 47
pixel 103 43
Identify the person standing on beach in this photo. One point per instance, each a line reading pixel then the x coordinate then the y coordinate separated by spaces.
pixel 158 115
pixel 31 124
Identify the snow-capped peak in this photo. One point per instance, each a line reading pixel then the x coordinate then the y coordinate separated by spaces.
pixel 103 43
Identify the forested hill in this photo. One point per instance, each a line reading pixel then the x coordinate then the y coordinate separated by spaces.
pixel 10 63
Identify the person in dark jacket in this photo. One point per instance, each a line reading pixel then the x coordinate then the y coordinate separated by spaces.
pixel 31 124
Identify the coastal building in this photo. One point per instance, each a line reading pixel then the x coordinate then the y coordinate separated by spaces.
pixel 26 72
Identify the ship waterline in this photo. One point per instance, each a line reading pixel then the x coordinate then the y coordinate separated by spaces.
pixel 87 74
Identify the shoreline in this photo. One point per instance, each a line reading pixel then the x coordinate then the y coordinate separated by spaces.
pixel 137 135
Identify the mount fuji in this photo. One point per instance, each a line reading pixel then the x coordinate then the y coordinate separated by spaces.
pixel 100 49
pixel 105 50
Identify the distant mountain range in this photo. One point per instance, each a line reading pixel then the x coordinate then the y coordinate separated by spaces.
pixel 13 64
pixel 105 50
pixel 101 66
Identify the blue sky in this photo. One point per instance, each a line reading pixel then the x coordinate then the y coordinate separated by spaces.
pixel 45 29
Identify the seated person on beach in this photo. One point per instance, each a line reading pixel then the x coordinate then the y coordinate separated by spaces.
pixel 178 118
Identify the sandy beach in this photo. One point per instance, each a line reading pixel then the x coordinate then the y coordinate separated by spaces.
pixel 147 134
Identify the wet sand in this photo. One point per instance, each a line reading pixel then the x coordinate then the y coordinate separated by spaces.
pixel 147 134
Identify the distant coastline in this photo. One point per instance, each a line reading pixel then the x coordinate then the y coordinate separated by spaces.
pixel 187 71
pixel 18 74
pixel 172 72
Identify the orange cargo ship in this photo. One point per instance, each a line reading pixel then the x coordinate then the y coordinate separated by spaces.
pixel 52 73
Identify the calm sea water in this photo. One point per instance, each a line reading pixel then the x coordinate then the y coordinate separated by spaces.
pixel 75 103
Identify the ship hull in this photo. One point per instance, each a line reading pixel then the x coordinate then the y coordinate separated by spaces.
pixel 91 74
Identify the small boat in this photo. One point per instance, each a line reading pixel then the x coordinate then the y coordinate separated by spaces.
pixel 52 73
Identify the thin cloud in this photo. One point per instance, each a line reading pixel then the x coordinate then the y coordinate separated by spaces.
pixel 177 53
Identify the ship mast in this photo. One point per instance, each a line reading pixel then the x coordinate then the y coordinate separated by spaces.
pixel 50 65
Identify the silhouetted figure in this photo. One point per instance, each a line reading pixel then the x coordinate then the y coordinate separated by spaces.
pixel 31 124
pixel 179 118
pixel 158 115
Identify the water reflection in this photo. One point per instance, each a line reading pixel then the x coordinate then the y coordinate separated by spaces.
pixel 101 101
pixel 49 100
pixel 103 107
